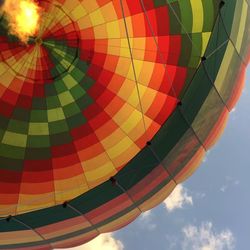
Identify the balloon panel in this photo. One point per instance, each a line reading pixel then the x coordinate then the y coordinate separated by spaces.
pixel 80 104
pixel 82 99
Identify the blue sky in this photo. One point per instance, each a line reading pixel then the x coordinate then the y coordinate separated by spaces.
pixel 210 211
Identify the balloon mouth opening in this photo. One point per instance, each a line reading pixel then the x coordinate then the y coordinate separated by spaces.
pixel 38 41
pixel 23 18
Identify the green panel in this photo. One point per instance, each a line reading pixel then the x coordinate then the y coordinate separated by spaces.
pixel 170 133
pixel 37 153
pixel 167 145
pixel 196 50
pixel 181 153
pixel 11 225
pixel 195 95
pixel 210 12
pixel 38 116
pixel 186 16
pixel 137 168
pixel 58 127
pixel 11 151
pixel 18 126
pixel 100 195
pixel 60 139
pixel 11 164
pixel 174 12
pixel 244 53
pixel 36 141
pixel 52 215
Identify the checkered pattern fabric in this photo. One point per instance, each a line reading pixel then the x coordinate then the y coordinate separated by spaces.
pixel 135 90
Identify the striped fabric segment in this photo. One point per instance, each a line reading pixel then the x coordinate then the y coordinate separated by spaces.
pixel 131 63
pixel 79 101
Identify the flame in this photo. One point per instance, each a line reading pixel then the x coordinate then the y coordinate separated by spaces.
pixel 23 17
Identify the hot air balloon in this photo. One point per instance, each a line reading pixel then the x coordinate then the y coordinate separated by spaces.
pixel 107 107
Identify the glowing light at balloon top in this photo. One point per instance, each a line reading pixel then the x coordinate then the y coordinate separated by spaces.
pixel 23 17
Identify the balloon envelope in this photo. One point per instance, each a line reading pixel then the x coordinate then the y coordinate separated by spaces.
pixel 108 108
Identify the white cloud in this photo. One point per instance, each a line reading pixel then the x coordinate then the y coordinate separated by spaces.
pixel 205 238
pixel 178 198
pixel 145 215
pixel 230 182
pixel 233 113
pixel 103 242
pixel 204 159
pixel 151 226
pixel 172 242
pixel 236 182
pixel 146 221
pixel 224 188
pixel 206 156
pixel 233 110
pixel 199 195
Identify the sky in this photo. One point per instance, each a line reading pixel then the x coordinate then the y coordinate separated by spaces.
pixel 210 211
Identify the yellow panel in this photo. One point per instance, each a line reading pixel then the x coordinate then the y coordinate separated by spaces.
pixel 145 73
pixel 205 40
pixel 138 66
pixel 95 162
pixel 55 114
pixel 38 128
pixel 134 119
pixel 14 139
pixel 90 5
pixel 96 18
pixel 224 68
pixel 137 95
pixel 78 12
pixel 31 202
pixel 109 12
pixel 242 26
pixel 3 68
pixel 102 173
pixel 123 114
pixel 113 30
pixel 72 187
pixel 198 17
pixel 113 139
pixel 120 147
pixel 100 32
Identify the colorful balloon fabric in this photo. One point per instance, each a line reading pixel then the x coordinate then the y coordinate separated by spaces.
pixel 108 108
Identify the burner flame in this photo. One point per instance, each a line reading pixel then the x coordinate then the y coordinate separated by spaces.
pixel 23 17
